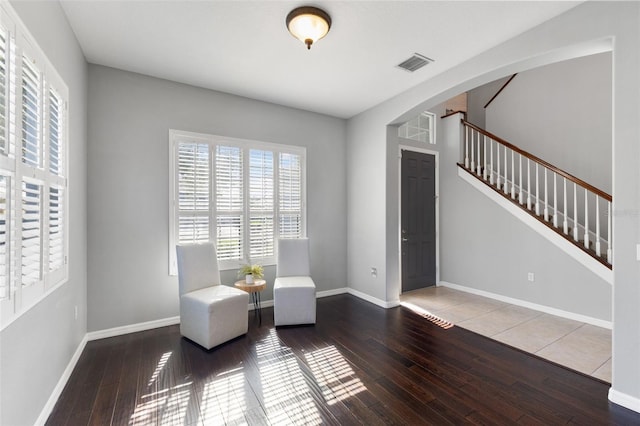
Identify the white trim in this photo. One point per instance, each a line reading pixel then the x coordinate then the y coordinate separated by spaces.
pixel 62 382
pixel 319 295
pixel 436 155
pixel 542 308
pixel 573 251
pixel 374 300
pixel 627 401
pixel 132 328
pixel 334 292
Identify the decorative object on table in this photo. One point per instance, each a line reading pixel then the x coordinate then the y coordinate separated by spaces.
pixel 294 292
pixel 210 313
pixel 251 273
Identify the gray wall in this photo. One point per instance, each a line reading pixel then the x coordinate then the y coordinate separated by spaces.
pixel 477 98
pixel 566 118
pixel 373 238
pixel 129 119
pixel 36 349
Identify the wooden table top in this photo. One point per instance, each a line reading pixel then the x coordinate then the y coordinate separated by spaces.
pixel 258 285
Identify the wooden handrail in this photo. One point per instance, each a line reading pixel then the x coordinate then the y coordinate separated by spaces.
pixel 540 161
pixel 449 114
pixel 501 89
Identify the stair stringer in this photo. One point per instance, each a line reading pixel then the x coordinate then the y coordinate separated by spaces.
pixel 587 261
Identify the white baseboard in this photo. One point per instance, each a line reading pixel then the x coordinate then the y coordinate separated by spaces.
pixel 319 294
pixel 627 401
pixel 552 236
pixel 374 300
pixel 542 308
pixel 62 382
pixel 132 328
pixel 334 292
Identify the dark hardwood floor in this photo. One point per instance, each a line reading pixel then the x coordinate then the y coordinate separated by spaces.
pixel 360 364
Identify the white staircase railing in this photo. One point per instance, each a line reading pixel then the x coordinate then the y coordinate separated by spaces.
pixel 570 206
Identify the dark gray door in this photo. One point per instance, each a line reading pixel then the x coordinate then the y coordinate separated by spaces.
pixel 418 228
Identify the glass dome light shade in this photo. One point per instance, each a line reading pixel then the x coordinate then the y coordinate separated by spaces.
pixel 308 24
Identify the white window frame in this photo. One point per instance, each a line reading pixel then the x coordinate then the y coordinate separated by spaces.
pixel 177 136
pixel 413 129
pixel 21 297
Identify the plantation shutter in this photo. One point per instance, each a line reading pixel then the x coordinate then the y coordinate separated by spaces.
pixel 193 192
pixel 31 116
pixel 261 205
pixel 229 203
pixel 290 196
pixel 4 142
pixel 4 240
pixel 56 228
pixel 56 152
pixel 31 227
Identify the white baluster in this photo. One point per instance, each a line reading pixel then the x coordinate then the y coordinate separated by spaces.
pixel 546 197
pixel 597 225
pixel 484 172
pixel 506 172
pixel 479 161
pixel 498 161
pixel 528 184
pixel 466 149
pixel 521 195
pixel 491 161
pixel 586 218
pixel 609 236
pixel 575 212
pixel 513 175
pixel 537 192
pixel 565 224
pixel 555 200
pixel 473 162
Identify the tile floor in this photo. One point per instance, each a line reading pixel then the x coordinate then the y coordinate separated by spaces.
pixel 582 347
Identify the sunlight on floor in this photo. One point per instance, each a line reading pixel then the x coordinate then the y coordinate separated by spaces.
pixel 163 361
pixel 428 315
pixel 287 396
pixel 333 374
pixel 223 398
pixel 172 403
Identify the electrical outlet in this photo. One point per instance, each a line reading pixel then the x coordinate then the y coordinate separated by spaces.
pixel 75 312
pixel 374 272
pixel 531 277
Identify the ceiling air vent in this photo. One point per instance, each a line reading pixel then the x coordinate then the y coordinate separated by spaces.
pixel 414 63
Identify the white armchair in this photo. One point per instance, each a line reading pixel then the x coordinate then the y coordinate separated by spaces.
pixel 210 313
pixel 294 292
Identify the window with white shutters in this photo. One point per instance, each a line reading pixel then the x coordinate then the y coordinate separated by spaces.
pixel 261 204
pixel 193 193
pixel 290 178
pixel 56 125
pixel 257 196
pixel 229 204
pixel 56 228
pixel 4 242
pixel 31 114
pixel 33 164
pixel 4 143
pixel 31 232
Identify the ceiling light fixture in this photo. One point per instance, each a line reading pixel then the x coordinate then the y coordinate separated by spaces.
pixel 308 24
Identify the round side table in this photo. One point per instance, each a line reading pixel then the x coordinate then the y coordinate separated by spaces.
pixel 254 291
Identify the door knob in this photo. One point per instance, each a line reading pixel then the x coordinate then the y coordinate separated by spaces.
pixel 404 240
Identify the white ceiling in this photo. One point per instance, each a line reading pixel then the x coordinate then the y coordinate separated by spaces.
pixel 243 47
